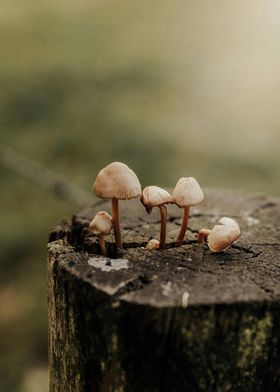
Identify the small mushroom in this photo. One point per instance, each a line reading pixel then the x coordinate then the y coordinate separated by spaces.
pixel 154 196
pixel 187 193
pixel 100 226
pixel 202 234
pixel 221 236
pixel 117 182
pixel 152 244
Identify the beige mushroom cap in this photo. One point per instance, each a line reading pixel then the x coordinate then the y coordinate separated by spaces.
pixel 117 181
pixel 154 196
pixel 223 235
pixel 101 223
pixel 152 244
pixel 187 192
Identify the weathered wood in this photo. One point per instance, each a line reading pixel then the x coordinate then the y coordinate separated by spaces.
pixel 180 319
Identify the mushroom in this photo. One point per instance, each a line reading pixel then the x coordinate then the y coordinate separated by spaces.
pixel 152 244
pixel 154 196
pixel 221 236
pixel 117 182
pixel 187 193
pixel 100 226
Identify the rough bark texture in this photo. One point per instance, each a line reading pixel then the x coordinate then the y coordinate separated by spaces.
pixel 180 319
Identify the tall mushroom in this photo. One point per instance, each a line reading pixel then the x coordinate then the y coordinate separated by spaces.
pixel 187 193
pixel 221 236
pixel 100 226
pixel 117 182
pixel 154 196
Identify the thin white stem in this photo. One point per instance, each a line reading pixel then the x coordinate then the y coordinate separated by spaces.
pixel 163 218
pixel 184 227
pixel 102 245
pixel 116 223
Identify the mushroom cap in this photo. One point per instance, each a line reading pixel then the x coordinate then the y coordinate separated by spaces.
pixel 117 181
pixel 152 244
pixel 101 223
pixel 154 196
pixel 223 235
pixel 187 192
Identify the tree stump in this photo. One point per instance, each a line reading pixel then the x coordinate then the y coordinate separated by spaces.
pixel 179 319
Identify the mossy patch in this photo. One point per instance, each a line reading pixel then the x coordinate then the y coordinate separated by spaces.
pixel 254 338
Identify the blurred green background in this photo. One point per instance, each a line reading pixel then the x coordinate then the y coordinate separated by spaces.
pixel 181 88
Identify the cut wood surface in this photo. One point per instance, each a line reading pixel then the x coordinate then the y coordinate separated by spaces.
pixel 179 319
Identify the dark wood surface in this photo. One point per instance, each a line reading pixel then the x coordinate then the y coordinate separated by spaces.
pixel 175 319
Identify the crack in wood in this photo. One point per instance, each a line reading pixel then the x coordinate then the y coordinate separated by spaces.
pixel 246 250
pixel 166 346
pixel 266 205
pixel 266 289
pixel 133 285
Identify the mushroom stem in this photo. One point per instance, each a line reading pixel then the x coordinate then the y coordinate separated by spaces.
pixel 163 218
pixel 202 234
pixel 116 222
pixel 102 244
pixel 184 227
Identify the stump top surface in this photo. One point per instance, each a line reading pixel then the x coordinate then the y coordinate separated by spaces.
pixel 191 275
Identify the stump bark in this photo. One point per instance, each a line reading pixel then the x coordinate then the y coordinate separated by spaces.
pixel 179 319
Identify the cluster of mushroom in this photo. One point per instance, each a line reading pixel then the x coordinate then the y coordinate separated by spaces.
pixel 118 182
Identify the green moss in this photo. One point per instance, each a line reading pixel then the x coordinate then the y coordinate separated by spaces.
pixel 223 349
pixel 254 338
pixel 198 333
